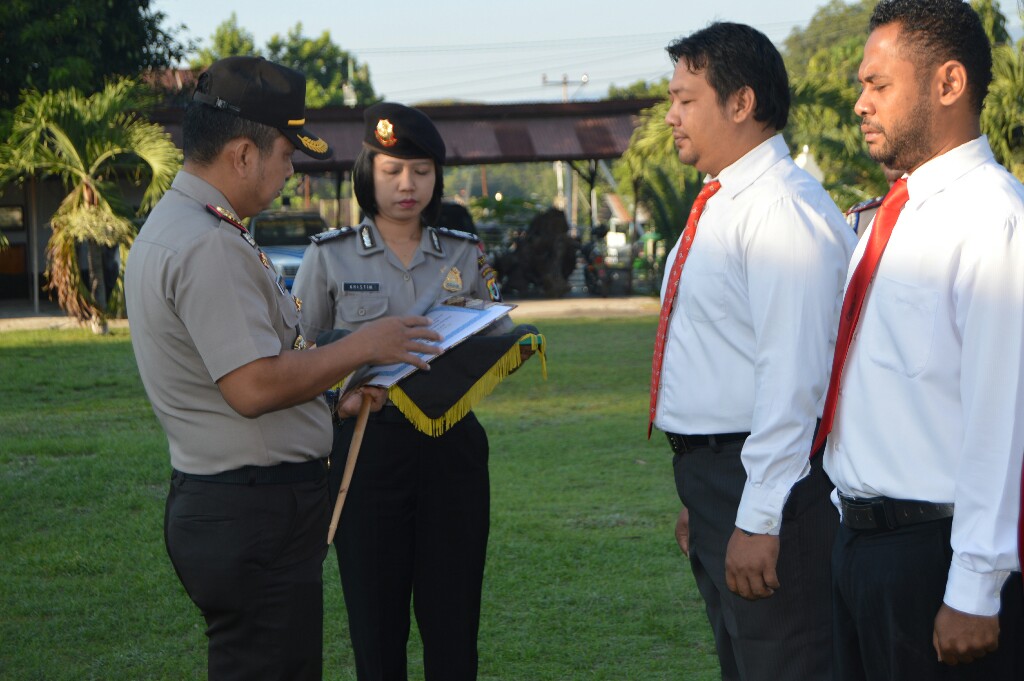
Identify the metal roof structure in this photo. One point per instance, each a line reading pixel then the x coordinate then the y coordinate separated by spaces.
pixel 477 134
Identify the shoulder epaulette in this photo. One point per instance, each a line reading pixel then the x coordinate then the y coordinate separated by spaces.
pixel 224 215
pixel 457 234
pixel 865 205
pixel 324 237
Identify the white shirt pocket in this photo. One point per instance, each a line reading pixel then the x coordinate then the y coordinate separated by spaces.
pixel 702 286
pixel 903 326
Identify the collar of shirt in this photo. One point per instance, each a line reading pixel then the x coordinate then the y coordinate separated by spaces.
pixel 944 170
pixel 745 170
pixel 200 191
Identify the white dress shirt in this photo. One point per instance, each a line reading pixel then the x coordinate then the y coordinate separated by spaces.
pixel 933 391
pixel 750 340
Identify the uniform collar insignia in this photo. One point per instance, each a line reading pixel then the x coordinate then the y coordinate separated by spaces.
pixel 435 240
pixel 366 234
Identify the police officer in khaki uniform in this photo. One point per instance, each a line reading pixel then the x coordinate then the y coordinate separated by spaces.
pixel 216 340
pixel 416 516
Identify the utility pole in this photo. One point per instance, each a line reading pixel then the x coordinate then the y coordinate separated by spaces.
pixel 560 199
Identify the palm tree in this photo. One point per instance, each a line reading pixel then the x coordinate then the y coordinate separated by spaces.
pixel 651 168
pixel 92 143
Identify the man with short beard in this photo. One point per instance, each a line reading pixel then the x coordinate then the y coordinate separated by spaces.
pixel 924 441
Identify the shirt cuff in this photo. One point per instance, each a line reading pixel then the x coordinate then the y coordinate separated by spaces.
pixel 760 509
pixel 976 593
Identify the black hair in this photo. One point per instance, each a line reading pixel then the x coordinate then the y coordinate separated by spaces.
pixel 205 130
pixel 365 191
pixel 936 31
pixel 734 56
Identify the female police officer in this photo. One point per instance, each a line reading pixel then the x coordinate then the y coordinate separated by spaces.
pixel 417 513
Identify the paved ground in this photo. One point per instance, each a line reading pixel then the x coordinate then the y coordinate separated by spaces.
pixel 22 316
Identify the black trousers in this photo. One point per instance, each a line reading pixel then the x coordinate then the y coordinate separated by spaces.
pixel 888 586
pixel 414 528
pixel 251 557
pixel 787 636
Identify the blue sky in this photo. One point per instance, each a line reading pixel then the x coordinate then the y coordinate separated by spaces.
pixel 421 50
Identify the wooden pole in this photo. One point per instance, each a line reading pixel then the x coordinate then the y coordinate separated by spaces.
pixel 350 464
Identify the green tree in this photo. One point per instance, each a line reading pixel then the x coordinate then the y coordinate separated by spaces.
pixel 94 144
pixel 641 89
pixel 655 177
pixel 1002 119
pixel 79 43
pixel 228 40
pixel 334 77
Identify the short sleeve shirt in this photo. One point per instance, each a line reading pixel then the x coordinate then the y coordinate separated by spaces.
pixel 202 303
pixel 349 277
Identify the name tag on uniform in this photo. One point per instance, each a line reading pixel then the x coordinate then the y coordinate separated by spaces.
pixel 360 287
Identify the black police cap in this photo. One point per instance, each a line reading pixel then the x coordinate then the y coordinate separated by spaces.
pixel 259 90
pixel 402 131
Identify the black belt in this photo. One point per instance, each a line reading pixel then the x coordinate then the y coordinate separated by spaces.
pixel 281 474
pixel 883 513
pixel 685 443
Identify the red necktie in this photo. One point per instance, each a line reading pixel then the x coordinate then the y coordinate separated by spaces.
pixel 853 301
pixel 685 242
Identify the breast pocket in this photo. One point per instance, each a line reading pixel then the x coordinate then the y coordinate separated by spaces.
pixel 702 287
pixel 905 319
pixel 356 309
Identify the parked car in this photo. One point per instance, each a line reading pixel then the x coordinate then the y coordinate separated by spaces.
pixel 284 236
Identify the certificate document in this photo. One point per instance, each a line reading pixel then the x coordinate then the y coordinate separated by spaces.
pixel 456 319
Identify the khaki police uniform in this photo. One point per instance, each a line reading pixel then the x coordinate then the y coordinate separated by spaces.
pixel 248 509
pixel 416 515
pixel 349 276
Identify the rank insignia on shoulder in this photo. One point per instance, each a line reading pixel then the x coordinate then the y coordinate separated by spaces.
pixel 227 216
pixel 324 237
pixel 866 205
pixel 453 280
pixel 458 234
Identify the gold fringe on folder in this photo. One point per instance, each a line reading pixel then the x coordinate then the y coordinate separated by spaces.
pixel 484 386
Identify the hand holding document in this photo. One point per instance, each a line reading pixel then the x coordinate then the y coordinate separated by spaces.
pixel 456 319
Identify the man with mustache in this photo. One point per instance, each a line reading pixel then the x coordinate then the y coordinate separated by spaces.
pixel 741 359
pixel 923 413
pixel 216 340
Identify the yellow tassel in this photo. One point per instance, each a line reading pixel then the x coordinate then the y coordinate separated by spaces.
pixel 484 386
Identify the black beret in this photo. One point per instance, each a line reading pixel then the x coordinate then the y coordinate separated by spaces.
pixel 399 130
pixel 259 90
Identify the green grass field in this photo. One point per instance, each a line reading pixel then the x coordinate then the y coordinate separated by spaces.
pixel 584 580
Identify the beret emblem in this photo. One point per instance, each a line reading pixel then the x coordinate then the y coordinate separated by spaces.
pixel 385 133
